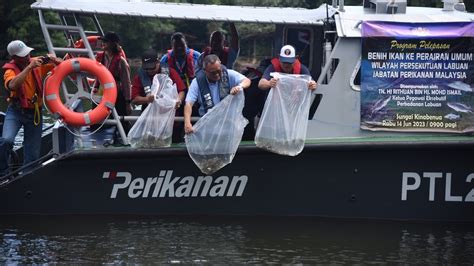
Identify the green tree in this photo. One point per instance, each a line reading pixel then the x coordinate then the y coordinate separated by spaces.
pixel 21 22
pixel 137 34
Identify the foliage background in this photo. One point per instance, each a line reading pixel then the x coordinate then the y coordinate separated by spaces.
pixel 19 21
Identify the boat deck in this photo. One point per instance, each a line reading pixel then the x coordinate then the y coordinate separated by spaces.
pixel 340 142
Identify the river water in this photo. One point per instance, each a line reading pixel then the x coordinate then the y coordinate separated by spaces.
pixel 236 240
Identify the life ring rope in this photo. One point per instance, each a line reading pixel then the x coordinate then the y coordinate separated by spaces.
pixel 64 124
pixel 60 111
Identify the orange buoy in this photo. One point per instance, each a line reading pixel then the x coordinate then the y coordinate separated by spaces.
pixel 95 44
pixel 60 111
pixel 93 41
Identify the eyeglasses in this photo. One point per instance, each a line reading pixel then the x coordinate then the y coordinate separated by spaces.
pixel 215 72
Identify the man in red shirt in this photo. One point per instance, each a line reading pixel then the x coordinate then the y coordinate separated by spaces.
pixel 141 84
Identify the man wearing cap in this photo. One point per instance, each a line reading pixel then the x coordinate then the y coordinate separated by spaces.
pixel 285 63
pixel 112 58
pixel 210 87
pixel 24 82
pixel 142 81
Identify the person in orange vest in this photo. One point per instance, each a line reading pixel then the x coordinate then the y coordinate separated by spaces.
pixel 23 79
pixel 227 55
pixel 285 63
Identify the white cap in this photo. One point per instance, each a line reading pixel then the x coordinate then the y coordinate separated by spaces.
pixel 287 54
pixel 18 48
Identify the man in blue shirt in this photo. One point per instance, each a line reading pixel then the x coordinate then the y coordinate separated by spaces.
pixel 210 87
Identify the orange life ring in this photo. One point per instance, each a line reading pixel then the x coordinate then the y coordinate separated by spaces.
pixel 95 45
pixel 59 110
pixel 92 41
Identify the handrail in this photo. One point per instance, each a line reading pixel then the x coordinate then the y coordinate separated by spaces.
pixel 135 118
pixel 18 173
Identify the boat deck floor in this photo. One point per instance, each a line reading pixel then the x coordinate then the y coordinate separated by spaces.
pixel 103 139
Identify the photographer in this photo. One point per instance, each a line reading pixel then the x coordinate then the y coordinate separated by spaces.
pixel 24 82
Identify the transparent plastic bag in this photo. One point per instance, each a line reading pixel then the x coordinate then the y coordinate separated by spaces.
pixel 154 127
pixel 282 126
pixel 217 134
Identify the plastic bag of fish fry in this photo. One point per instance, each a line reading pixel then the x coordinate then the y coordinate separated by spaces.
pixel 284 120
pixel 154 127
pixel 217 134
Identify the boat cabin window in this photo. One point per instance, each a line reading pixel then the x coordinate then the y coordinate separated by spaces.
pixel 301 38
pixel 255 48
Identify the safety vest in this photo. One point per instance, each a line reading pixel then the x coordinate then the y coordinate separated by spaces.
pixel 206 96
pixel 114 66
pixel 277 66
pixel 187 74
pixel 223 55
pixel 21 94
pixel 144 78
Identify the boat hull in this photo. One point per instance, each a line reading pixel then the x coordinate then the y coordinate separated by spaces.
pixel 400 181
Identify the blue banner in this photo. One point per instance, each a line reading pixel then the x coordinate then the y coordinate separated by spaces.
pixel 417 76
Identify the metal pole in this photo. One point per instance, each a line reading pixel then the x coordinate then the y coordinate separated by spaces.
pixel 341 5
pixel 45 31
pixel 120 127
pixel 328 50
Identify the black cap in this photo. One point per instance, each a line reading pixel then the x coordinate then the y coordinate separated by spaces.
pixel 149 58
pixel 110 36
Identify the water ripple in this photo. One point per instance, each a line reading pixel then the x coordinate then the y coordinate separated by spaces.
pixel 34 240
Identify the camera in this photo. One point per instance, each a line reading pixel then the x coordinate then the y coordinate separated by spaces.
pixel 45 59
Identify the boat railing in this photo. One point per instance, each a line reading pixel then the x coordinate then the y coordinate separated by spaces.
pixel 18 172
pixel 133 118
pixel 66 138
